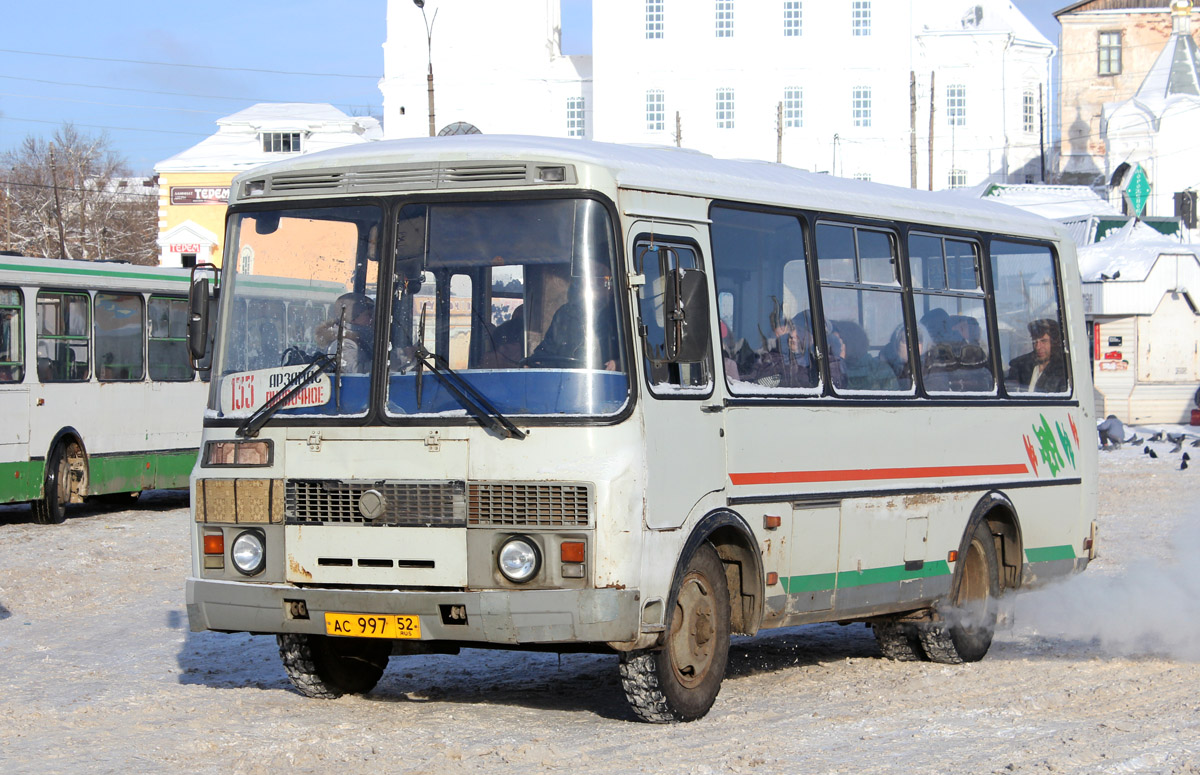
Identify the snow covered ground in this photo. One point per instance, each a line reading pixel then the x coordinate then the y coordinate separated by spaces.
pixel 99 674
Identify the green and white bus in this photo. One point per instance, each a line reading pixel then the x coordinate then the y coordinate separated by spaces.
pixel 685 398
pixel 96 388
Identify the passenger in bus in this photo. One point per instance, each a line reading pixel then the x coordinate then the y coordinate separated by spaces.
pixel 568 343
pixel 863 370
pixel 357 310
pixel 727 351
pixel 1042 370
pixel 508 342
pixel 789 360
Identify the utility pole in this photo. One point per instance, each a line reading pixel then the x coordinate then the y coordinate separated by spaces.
pixel 912 126
pixel 1042 132
pixel 62 237
pixel 932 100
pixel 678 131
pixel 779 134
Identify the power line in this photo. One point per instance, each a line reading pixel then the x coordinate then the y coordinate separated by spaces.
pixel 110 104
pixel 164 93
pixel 103 126
pixel 103 192
pixel 195 67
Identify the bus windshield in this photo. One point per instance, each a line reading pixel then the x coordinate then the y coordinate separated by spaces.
pixel 517 298
pixel 511 302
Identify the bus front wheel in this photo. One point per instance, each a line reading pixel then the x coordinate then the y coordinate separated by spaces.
pixel 51 508
pixel 326 668
pixel 963 632
pixel 680 682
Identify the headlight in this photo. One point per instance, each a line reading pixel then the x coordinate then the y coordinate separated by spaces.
pixel 248 553
pixel 519 559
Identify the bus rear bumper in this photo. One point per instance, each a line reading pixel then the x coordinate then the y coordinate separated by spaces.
pixel 530 616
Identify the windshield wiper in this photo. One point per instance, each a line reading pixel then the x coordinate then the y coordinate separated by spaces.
pixel 466 395
pixel 289 390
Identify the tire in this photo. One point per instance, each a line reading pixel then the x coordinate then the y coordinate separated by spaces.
pixel 326 668
pixel 898 641
pixel 680 681
pixel 51 508
pixel 964 631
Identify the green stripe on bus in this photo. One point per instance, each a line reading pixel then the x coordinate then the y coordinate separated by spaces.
pixel 1050 553
pixel 819 582
pixel 21 481
pixel 814 583
pixel 93 272
pixel 140 471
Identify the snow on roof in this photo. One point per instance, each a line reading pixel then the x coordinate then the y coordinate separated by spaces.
pixel 666 168
pixel 1132 250
pixel 1057 202
pixel 982 16
pixel 237 146
pixel 1174 76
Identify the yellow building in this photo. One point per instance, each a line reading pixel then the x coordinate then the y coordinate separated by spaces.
pixel 194 184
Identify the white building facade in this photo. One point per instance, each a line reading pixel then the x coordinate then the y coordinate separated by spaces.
pixel 825 85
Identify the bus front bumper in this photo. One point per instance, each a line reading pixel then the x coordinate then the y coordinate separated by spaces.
pixel 528 616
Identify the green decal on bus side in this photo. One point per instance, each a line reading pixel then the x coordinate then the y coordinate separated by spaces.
pixel 21 481
pixel 827 581
pixel 1050 553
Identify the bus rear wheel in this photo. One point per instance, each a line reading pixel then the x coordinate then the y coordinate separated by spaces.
pixel 898 641
pixel 51 508
pixel 326 668
pixel 964 632
pixel 680 682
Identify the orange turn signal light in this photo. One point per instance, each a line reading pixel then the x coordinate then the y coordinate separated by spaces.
pixel 214 543
pixel 772 579
pixel 571 551
pixel 952 556
pixel 772 521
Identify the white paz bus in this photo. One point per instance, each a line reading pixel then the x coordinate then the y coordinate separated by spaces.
pixel 569 395
pixel 97 393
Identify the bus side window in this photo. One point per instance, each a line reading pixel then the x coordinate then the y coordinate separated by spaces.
pixel 651 296
pixel 12 337
pixel 168 340
pixel 63 327
pixel 118 327
pixel 763 302
pixel 1032 348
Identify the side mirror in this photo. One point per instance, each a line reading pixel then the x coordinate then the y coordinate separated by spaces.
pixel 686 315
pixel 198 313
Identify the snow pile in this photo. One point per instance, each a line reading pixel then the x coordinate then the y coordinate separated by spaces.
pixel 1131 250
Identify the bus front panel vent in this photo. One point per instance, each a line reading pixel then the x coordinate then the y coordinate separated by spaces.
pixel 528 504
pixel 408 504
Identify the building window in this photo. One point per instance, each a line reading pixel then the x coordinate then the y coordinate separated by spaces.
pixel 958 179
pixel 724 18
pixel 281 142
pixel 956 105
pixel 793 107
pixel 575 117
pixel 724 108
pixel 861 18
pixel 1110 53
pixel 654 19
pixel 793 19
pixel 656 111
pixel 862 105
pixel 1028 113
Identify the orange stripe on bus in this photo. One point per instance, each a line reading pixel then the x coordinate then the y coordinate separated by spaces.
pixel 875 474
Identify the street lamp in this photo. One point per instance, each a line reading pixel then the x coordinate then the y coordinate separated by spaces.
pixel 429 42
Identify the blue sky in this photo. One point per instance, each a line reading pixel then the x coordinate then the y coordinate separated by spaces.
pixel 155 76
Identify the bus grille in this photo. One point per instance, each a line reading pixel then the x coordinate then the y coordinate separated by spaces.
pixel 436 504
pixel 412 504
pixel 543 505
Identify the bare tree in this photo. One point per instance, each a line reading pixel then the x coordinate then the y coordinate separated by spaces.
pixel 72 197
